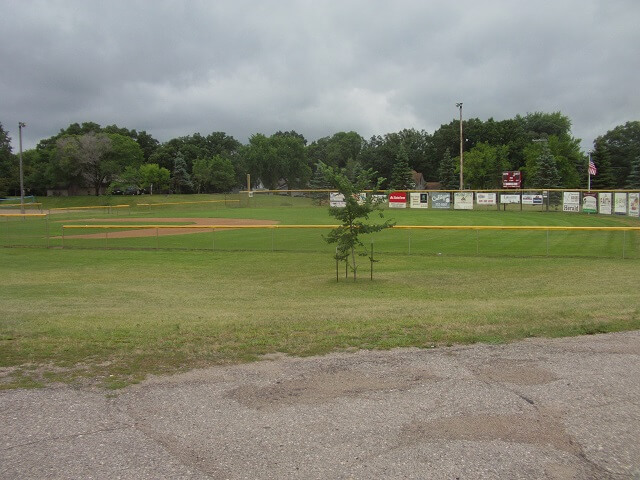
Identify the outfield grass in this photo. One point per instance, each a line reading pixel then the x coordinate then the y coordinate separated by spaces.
pixel 111 317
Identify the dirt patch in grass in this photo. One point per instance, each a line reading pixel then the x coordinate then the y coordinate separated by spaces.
pixel 152 232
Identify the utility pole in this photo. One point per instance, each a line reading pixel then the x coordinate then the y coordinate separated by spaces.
pixel 21 125
pixel 459 105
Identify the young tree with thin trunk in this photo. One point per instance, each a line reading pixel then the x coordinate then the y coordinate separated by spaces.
pixel 354 214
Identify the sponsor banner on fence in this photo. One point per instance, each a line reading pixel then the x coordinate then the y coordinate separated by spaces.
pixel 531 199
pixel 440 200
pixel 463 201
pixel 509 198
pixel 398 200
pixel 419 200
pixel 589 203
pixel 571 202
pixel 604 203
pixel 634 204
pixel 620 203
pixel 378 199
pixel 486 198
pixel 336 200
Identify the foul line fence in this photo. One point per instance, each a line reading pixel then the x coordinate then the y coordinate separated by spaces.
pixel 476 228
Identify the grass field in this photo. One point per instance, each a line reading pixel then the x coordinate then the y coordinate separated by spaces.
pixel 111 317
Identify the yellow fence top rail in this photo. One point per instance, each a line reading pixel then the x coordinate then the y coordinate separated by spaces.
pixel 183 203
pixel 23 214
pixel 400 227
pixel 17 205
pixel 90 207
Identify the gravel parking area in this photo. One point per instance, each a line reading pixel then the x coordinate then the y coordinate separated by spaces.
pixel 541 408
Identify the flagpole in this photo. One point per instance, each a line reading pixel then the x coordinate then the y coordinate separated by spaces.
pixel 589 170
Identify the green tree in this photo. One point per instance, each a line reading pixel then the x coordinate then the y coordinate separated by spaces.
pixel 545 172
pixel 354 215
pixel 214 174
pixel 604 179
pixel 8 169
pixel 633 180
pixel 87 156
pixel 154 177
pixel 275 158
pixel 449 172
pixel 180 179
pixel 484 164
pixel 401 175
pixel 623 146
pixel 336 150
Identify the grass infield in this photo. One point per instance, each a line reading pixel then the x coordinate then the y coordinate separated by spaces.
pixel 111 317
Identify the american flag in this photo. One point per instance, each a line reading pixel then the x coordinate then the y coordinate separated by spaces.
pixel 592 168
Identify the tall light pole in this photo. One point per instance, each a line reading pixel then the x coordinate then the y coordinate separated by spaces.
pixel 459 105
pixel 21 125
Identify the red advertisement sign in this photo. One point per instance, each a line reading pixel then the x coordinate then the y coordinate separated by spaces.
pixel 511 179
pixel 398 200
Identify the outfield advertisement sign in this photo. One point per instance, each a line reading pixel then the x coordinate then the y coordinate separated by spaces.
pixel 440 200
pixel 589 203
pixel 506 198
pixel 463 201
pixel 378 199
pixel 486 198
pixel 634 204
pixel 419 200
pixel 398 200
pixel 531 199
pixel 604 203
pixel 620 203
pixel 336 200
pixel 571 202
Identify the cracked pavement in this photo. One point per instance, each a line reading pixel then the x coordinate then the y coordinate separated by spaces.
pixel 540 408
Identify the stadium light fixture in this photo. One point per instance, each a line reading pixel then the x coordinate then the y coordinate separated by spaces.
pixel 459 105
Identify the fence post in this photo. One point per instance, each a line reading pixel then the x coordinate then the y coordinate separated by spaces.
pixel 372 260
pixel 106 239
pixel 477 242
pixel 409 241
pixel 157 245
pixel 624 241
pixel 547 242
pixel 213 239
pixel 46 225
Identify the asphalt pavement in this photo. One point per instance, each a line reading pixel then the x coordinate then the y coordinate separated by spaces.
pixel 536 409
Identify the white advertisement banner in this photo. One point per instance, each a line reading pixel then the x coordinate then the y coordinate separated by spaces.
pixel 419 200
pixel 620 203
pixel 486 198
pixel 336 200
pixel 604 203
pixel 589 203
pixel 440 200
pixel 571 202
pixel 531 199
pixel 463 201
pixel 376 199
pixel 634 207
pixel 509 198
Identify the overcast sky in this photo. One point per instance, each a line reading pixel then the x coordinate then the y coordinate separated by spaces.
pixel 175 68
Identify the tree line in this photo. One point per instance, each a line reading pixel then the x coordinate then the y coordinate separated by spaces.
pixel 110 159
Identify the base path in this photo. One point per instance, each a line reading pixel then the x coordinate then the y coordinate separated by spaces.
pixel 147 232
pixel 541 408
